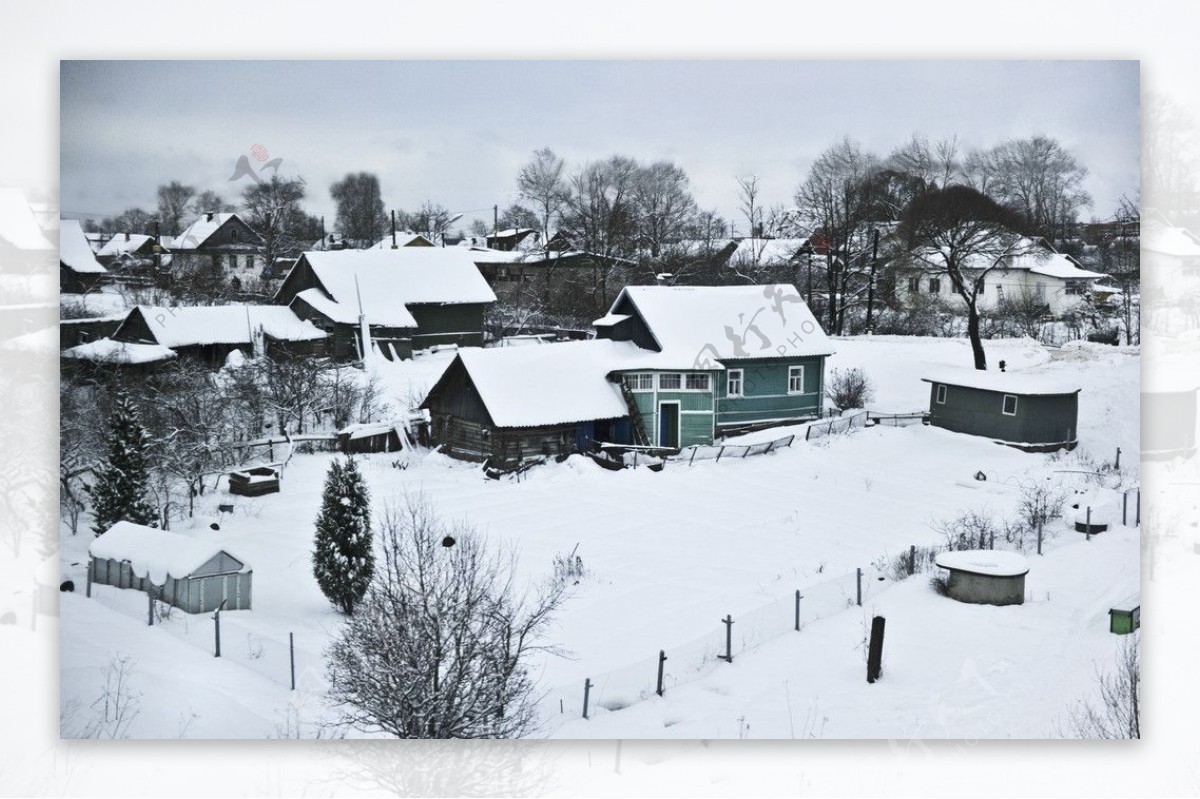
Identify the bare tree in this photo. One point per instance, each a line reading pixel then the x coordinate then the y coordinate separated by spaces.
pixel 273 211
pixel 542 184
pixel 664 203
pixel 439 647
pixel 1117 713
pixel 961 234
pixel 174 202
pixel 360 216
pixel 600 216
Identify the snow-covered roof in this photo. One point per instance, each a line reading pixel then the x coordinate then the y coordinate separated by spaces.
pixel 225 324
pixel 1129 603
pixel 405 238
pixel 988 562
pixel 768 251
pixel 18 225
pixel 1168 240
pixel 1026 255
pixel 377 311
pixel 120 245
pixel 154 553
pixel 368 429
pixel 555 384
pixel 105 350
pixel 74 252
pixel 700 324
pixel 610 319
pixel 199 231
pixel 1010 382
pixel 408 276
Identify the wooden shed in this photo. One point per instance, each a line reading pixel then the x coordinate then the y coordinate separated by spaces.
pixel 1032 412
pixel 985 576
pixel 192 575
pixel 369 437
pixel 1126 616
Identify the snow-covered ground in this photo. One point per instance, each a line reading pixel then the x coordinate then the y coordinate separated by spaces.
pixel 667 555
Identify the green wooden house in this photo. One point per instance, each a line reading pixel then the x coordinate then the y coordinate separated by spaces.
pixel 719 359
pixel 412 298
pixel 671 367
pixel 1032 412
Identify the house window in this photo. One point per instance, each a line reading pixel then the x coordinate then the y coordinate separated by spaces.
pixel 697 382
pixel 935 285
pixel 733 383
pixel 670 380
pixel 1076 287
pixel 640 382
pixel 941 395
pixel 233 234
pixel 914 284
pixel 1010 405
pixel 795 380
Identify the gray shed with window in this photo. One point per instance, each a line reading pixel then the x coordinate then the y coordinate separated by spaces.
pixel 192 575
pixel 1032 412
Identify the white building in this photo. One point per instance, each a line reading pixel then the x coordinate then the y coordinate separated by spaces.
pixel 1033 270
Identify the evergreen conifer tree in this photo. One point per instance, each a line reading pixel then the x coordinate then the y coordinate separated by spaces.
pixel 119 491
pixel 342 558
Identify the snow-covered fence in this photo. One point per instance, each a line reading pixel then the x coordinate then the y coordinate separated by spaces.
pixel 896 419
pixel 718 452
pixel 619 688
pixel 838 424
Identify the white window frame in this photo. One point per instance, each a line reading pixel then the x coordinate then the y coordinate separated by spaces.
pixel 940 398
pixel 640 381
pixel 1004 403
pixel 732 377
pixel 690 376
pixel 793 372
pixel 677 375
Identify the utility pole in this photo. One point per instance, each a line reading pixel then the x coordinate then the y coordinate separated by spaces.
pixel 393 228
pixel 495 220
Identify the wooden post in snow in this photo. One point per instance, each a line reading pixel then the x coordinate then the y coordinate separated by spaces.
pixel 858 586
pixel 292 650
pixel 912 559
pixel 798 597
pixel 662 659
pixel 728 622
pixel 875 650
pixel 1087 530
pixel 587 691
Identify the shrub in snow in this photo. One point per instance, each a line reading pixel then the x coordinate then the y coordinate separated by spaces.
pixel 849 388
pixel 122 478
pixel 342 558
pixel 439 646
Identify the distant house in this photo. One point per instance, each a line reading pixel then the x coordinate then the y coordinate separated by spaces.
pixel 205 334
pixel 128 247
pixel 192 575
pixel 1034 413
pixel 511 239
pixel 220 240
pixel 79 272
pixel 370 437
pixel 412 297
pixel 671 367
pixel 1034 272
pixel 402 238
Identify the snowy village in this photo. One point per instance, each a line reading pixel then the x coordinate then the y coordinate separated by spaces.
pixel 596 458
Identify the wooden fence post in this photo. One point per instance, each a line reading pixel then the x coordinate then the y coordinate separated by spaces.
pixel 150 605
pixel 912 560
pixel 1039 537
pixel 875 651
pixel 858 586
pixel 91 564
pixel 1117 464
pixel 798 596
pixel 728 622
pixel 587 691
pixel 292 657
pixel 719 454
pixel 662 658
pixel 1124 505
pixel 1087 530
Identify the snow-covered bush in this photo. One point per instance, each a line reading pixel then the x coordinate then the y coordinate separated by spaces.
pixel 849 388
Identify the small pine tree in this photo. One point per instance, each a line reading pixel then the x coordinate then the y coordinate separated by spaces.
pixel 342 561
pixel 120 489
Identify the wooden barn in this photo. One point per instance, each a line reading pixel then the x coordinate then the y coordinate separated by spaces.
pixel 207 334
pixel 78 270
pixel 413 297
pixel 192 575
pixel 1032 412
pixel 512 404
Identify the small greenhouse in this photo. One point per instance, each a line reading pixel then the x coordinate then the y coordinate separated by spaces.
pixel 192 575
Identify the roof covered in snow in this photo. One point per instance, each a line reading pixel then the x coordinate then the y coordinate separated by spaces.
pixel 555 384
pixel 154 553
pixel 376 309
pixel 700 324
pixel 988 562
pixel 1010 382
pixel 105 350
pixel 404 238
pixel 223 324
pixel 1026 255
pixel 368 429
pixel 405 276
pixel 767 251
pixel 1168 240
pixel 18 225
pixel 74 252
pixel 198 232
pixel 120 245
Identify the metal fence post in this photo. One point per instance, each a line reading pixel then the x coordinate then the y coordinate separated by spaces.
pixel 728 622
pixel 1087 530
pixel 292 657
pixel 587 690
pixel 798 596
pixel 662 659
pixel 858 585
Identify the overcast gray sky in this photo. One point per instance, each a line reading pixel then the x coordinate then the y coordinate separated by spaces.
pixel 457 132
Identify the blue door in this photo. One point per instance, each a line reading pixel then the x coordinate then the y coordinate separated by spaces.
pixel 668 424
